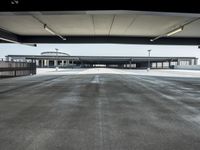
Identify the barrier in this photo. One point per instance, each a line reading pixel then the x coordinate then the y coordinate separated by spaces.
pixel 14 69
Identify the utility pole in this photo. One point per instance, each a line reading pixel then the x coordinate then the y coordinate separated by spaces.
pixel 149 65
pixel 56 59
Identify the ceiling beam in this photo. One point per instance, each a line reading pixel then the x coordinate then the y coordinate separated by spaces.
pixel 8 37
pixel 111 39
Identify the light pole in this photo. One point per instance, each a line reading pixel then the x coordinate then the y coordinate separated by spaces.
pixel 56 59
pixel 149 65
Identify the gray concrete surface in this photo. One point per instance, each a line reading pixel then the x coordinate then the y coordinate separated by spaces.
pixel 99 112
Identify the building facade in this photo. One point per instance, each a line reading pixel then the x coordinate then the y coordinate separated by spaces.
pixel 52 59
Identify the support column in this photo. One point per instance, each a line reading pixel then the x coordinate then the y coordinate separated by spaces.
pixel 162 65
pixel 62 63
pixel 156 65
pixel 178 62
pixel 195 61
pixel 47 63
pixel 42 63
pixel 37 62
pixel 72 63
pixel 190 62
pixel 31 67
pixel 169 64
pixel 130 64
pixel 55 63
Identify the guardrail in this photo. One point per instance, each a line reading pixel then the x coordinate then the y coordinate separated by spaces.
pixel 14 69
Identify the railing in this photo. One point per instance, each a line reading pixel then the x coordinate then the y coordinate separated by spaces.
pixel 14 69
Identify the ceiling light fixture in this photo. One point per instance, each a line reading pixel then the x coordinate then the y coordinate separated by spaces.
pixel 179 29
pixel 175 31
pixel 53 32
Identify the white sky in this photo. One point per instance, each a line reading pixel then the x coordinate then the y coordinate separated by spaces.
pixel 102 50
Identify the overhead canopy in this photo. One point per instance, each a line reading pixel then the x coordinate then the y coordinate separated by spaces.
pixel 99 26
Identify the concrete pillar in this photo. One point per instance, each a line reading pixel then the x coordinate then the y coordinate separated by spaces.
pixel 190 62
pixel 42 63
pixel 72 63
pixel 195 61
pixel 169 64
pixel 162 65
pixel 37 62
pixel 62 63
pixel 178 62
pixel 130 64
pixel 124 65
pixel 156 65
pixel 55 63
pixel 47 63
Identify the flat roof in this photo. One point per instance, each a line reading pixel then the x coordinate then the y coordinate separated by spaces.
pixel 102 58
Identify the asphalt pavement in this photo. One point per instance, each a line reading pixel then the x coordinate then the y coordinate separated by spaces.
pixel 99 112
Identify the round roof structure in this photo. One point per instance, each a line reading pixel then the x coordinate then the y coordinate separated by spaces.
pixel 53 53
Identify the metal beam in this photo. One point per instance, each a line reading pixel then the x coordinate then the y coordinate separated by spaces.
pixel 8 37
pixel 101 12
pixel 111 39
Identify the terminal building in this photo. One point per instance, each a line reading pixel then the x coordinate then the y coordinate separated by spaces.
pixel 51 59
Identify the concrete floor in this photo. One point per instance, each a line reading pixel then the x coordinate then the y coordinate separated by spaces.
pixel 99 112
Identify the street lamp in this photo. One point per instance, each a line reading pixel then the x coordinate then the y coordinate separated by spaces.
pixel 149 65
pixel 56 59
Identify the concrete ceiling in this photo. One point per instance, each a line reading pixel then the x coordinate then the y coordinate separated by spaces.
pixel 97 24
pixel 130 25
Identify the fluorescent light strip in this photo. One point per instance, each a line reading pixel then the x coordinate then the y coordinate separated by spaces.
pixel 168 34
pixel 175 31
pixel 49 30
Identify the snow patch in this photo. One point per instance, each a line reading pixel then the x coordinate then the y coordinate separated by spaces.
pixel 152 72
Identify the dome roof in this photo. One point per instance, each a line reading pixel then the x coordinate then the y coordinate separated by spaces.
pixel 53 53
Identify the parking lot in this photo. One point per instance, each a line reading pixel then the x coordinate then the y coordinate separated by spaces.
pixel 100 109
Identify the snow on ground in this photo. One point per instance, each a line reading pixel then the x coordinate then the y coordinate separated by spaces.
pixel 101 71
pixel 53 71
pixel 165 72
pixel 152 72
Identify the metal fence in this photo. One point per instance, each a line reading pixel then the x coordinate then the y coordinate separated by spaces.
pixel 14 69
